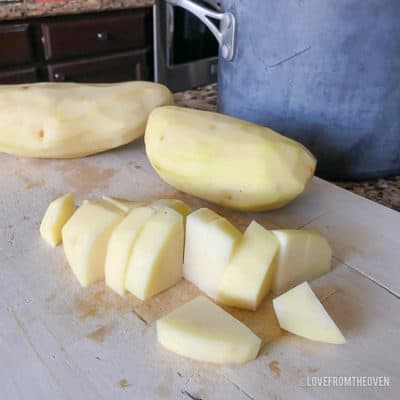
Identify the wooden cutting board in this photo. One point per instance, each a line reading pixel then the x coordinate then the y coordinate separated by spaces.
pixel 60 341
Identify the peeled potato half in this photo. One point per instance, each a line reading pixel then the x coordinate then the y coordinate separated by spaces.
pixel 65 120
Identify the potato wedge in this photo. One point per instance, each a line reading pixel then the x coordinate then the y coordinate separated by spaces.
pixel 248 276
pixel 85 237
pixel 300 312
pixel 57 214
pixel 123 204
pixel 155 263
pixel 205 332
pixel 178 205
pixel 120 246
pixel 210 241
pixel 302 256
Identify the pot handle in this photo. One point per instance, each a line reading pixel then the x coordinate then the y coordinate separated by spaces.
pixel 225 35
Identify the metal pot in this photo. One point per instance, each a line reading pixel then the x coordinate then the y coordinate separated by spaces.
pixel 326 73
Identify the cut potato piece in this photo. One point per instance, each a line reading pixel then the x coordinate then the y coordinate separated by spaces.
pixel 205 332
pixel 120 247
pixel 209 243
pixel 247 278
pixel 300 312
pixel 195 234
pixel 155 263
pixel 57 214
pixel 62 120
pixel 124 204
pixel 226 160
pixel 178 205
pixel 85 238
pixel 302 256
pixel 197 222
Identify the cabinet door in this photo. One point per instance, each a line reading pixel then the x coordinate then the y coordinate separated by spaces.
pixel 91 35
pixel 119 67
pixel 15 45
pixel 18 75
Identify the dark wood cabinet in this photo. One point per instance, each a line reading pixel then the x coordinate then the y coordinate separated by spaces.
pixel 85 36
pixel 103 47
pixel 19 75
pixel 15 45
pixel 108 69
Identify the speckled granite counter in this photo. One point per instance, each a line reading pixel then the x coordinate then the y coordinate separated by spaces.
pixel 383 191
pixel 31 8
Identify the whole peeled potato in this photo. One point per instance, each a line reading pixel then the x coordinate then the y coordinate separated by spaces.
pixel 225 160
pixel 64 120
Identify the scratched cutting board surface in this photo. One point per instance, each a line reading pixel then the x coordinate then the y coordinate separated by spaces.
pixel 61 341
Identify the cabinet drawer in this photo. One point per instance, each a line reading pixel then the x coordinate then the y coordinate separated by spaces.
pixel 15 45
pixel 120 67
pixel 18 75
pixel 83 36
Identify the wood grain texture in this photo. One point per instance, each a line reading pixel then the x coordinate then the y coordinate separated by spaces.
pixel 15 44
pixel 78 37
pixel 58 340
pixel 19 75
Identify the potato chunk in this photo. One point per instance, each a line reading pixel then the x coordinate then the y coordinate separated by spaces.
pixel 209 243
pixel 178 205
pixel 57 214
pixel 300 312
pixel 247 278
pixel 123 204
pixel 120 245
pixel 303 255
pixel 155 263
pixel 203 331
pixel 85 237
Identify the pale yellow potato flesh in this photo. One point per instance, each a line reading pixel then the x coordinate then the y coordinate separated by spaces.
pixel 225 160
pixel 123 204
pixel 64 120
pixel 209 243
pixel 126 205
pixel 302 256
pixel 155 263
pixel 247 278
pixel 57 214
pixel 205 332
pixel 178 205
pixel 120 246
pixel 195 234
pixel 300 312
pixel 85 237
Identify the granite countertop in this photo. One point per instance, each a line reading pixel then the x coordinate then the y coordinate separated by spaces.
pixel 383 191
pixel 31 8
